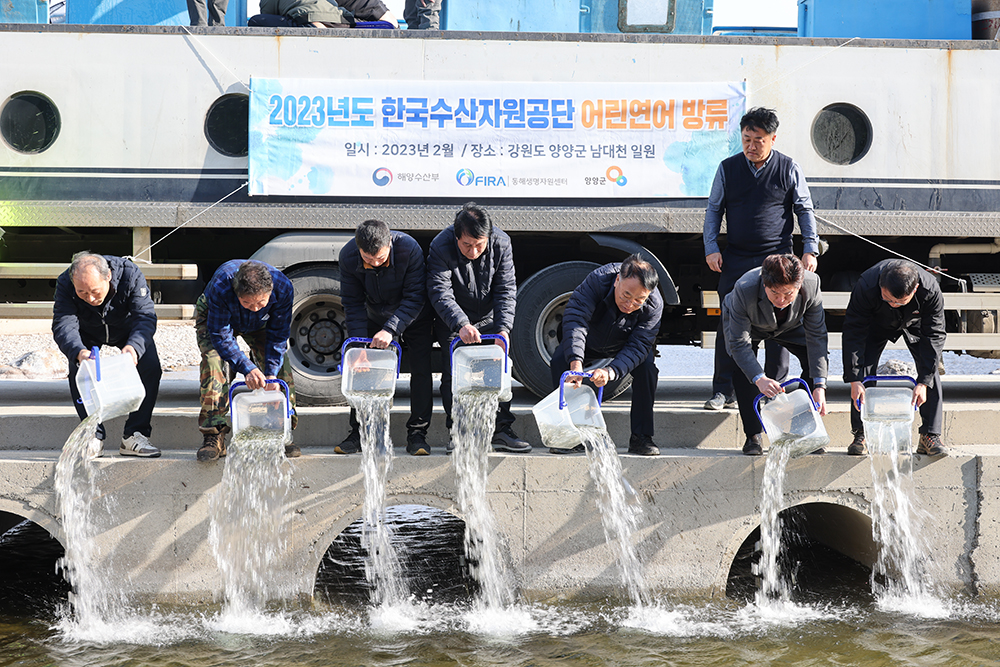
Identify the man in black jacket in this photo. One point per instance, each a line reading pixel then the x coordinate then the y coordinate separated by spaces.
pixel 104 300
pixel 615 312
pixel 471 284
pixel 382 287
pixel 896 298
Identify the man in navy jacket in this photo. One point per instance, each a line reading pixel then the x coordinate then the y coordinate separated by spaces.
pixel 384 293
pixel 471 284
pixel 104 300
pixel 615 312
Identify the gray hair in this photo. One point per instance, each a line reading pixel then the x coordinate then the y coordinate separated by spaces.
pixel 84 260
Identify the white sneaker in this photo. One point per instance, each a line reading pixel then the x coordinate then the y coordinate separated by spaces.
pixel 138 445
pixel 95 449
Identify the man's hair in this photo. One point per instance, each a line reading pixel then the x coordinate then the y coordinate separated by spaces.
pixel 636 267
pixel 899 278
pixel 252 278
pixel 472 221
pixel 779 270
pixel 760 118
pixel 84 260
pixel 371 236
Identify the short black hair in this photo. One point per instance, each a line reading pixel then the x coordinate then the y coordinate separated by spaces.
pixel 371 236
pixel 899 278
pixel 760 118
pixel 779 270
pixel 473 221
pixel 635 266
pixel 252 278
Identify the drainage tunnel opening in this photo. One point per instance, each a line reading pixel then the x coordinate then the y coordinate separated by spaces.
pixel 431 547
pixel 827 552
pixel 30 585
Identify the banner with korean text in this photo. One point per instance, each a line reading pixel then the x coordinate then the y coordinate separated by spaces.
pixel 317 137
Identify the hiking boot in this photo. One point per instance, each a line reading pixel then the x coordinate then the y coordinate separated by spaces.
pixel 213 446
pixel 642 445
pixel 572 450
pixel 138 445
pixel 292 451
pixel 95 449
pixel 505 440
pixel 930 445
pixel 416 444
pixel 857 446
pixel 351 444
pixel 719 401
pixel 754 446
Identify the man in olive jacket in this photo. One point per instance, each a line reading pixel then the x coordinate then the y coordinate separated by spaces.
pixel 896 298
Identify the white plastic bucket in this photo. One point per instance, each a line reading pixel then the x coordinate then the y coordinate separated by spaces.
pixel 790 420
pixel 109 386
pixel 560 414
pixel 367 371
pixel 260 408
pixel 475 367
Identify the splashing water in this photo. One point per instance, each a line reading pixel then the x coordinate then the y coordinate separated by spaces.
pixel 471 433
pixel 96 600
pixel 774 589
pixel 247 518
pixel 907 585
pixel 382 567
pixel 618 506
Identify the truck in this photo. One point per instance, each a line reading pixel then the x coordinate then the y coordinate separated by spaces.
pixel 137 140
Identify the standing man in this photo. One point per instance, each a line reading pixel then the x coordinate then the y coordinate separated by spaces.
pixel 471 284
pixel 779 301
pixel 104 300
pixel 207 12
pixel 252 300
pixel 616 312
pixel 896 298
pixel 758 190
pixel 383 289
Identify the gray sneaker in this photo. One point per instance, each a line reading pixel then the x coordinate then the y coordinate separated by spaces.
pixel 138 445
pixel 505 440
pixel 95 449
pixel 720 401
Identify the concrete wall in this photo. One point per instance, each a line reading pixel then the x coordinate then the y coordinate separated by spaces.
pixel 699 506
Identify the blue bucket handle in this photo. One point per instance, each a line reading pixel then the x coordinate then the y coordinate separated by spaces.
pixel 887 378
pixel 367 341
pixel 756 401
pixel 506 356
pixel 95 354
pixel 562 387
pixel 288 399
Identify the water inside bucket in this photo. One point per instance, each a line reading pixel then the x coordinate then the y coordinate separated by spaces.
pixel 481 367
pixel 885 404
pixel 790 420
pixel 368 371
pixel 262 410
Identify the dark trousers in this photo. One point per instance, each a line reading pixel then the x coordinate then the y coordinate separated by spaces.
pixel 212 14
pixel 931 412
pixel 419 340
pixel 139 421
pixel 746 391
pixel 422 14
pixel 644 379
pixel 444 338
pixel 775 356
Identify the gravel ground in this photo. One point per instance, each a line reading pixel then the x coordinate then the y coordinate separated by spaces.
pixel 175 342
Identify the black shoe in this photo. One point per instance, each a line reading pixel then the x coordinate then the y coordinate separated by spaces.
pixel 642 445
pixel 821 450
pixel 754 446
pixel 505 440
pixel 212 447
pixel 292 451
pixel 416 444
pixel 350 445
pixel 857 446
pixel 572 450
pixel 930 445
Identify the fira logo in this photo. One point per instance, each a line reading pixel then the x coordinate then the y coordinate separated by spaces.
pixel 466 177
pixel 382 177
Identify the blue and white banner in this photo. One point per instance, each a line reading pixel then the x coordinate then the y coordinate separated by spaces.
pixel 317 137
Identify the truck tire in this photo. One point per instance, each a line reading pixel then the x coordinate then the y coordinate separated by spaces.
pixel 541 300
pixel 318 331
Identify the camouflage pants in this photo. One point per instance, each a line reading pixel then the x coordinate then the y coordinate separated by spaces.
pixel 216 373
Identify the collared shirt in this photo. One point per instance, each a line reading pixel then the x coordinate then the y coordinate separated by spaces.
pixel 802 204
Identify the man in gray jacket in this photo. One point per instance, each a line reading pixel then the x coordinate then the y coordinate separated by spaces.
pixel 780 301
